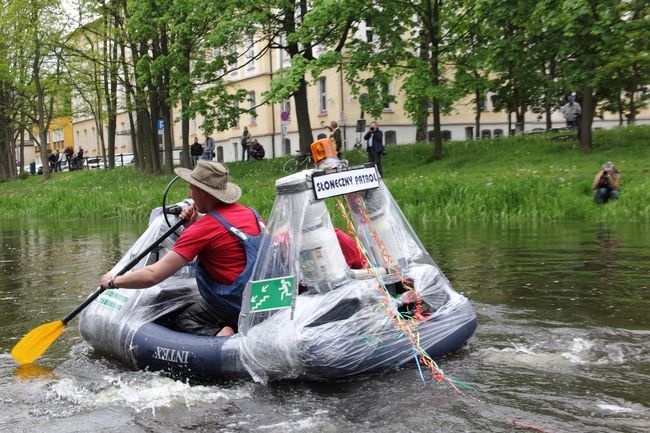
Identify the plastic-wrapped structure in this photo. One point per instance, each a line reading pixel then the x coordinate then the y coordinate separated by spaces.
pixel 305 314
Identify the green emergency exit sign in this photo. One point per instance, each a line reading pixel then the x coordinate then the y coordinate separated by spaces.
pixel 271 294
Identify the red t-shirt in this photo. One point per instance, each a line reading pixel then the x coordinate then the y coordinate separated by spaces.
pixel 353 257
pixel 220 252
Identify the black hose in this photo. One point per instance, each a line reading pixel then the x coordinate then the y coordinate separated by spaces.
pixel 174 210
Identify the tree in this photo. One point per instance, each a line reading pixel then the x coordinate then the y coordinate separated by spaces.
pixel 472 62
pixel 413 41
pixel 626 91
pixel 592 40
pixel 44 91
pixel 294 27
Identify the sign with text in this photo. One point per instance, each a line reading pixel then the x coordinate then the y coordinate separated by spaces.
pixel 271 294
pixel 345 182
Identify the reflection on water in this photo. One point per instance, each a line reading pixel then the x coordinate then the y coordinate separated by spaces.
pixel 561 344
pixel 49 267
pixel 588 275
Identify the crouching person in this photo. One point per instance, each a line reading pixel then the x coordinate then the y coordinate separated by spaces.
pixel 606 184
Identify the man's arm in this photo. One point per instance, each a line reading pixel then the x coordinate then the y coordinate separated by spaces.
pixel 596 183
pixel 149 275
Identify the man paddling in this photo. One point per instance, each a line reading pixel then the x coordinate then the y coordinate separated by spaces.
pixel 225 242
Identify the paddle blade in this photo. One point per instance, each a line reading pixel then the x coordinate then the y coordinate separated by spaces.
pixel 37 341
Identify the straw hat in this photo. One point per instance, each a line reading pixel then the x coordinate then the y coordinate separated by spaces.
pixel 211 177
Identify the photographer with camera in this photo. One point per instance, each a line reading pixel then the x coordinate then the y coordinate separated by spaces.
pixel 606 184
pixel 375 145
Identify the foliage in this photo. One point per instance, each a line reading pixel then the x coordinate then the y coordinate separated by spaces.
pixel 518 179
pixel 530 54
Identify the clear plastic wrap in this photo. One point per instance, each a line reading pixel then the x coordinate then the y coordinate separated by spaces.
pixel 110 322
pixel 341 324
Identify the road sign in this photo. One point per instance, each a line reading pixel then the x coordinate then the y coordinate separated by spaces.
pixel 271 294
pixel 285 116
pixel 344 182
pixel 161 124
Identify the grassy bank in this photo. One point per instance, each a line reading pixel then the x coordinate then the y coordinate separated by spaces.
pixel 529 178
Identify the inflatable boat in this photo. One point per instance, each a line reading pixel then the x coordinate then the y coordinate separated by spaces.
pixel 305 313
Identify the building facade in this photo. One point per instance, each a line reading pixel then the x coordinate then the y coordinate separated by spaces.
pixel 330 98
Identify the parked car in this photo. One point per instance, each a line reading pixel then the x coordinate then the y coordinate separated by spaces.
pixel 94 162
pixel 124 159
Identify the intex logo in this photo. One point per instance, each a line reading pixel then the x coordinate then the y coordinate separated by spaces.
pixel 171 355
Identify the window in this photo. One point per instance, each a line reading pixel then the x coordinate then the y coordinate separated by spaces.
pixel 219 153
pixel 251 106
pixel 391 137
pixel 388 90
pixel 483 103
pixel 235 106
pixel 322 94
pixel 445 134
pixel 232 61
pixel 250 52
pixel 284 59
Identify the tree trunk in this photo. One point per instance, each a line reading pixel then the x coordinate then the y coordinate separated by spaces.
pixel 7 160
pixel 167 133
pixel 421 124
pixel 633 86
pixel 136 142
pixel 306 137
pixel 41 122
pixel 434 37
pixel 586 118
pixel 111 99
pixel 185 103
pixel 21 131
pixel 477 116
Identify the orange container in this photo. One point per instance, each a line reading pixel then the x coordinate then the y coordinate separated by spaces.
pixel 322 149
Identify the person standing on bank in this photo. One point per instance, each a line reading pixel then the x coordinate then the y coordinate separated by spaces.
pixel 208 148
pixel 246 140
pixel 375 145
pixel 225 242
pixel 336 135
pixel 571 112
pixel 196 150
pixel 606 184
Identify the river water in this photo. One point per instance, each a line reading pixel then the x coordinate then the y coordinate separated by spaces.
pixel 562 343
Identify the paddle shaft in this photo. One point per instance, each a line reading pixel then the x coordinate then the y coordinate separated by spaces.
pixel 124 270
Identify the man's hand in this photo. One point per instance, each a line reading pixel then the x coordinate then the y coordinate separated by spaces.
pixel 105 279
pixel 189 215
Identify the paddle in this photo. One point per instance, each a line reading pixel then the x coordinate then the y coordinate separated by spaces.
pixel 39 339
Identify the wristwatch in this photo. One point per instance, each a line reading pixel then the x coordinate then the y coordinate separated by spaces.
pixel 111 283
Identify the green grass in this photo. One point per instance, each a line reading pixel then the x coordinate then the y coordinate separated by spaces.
pixel 530 178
